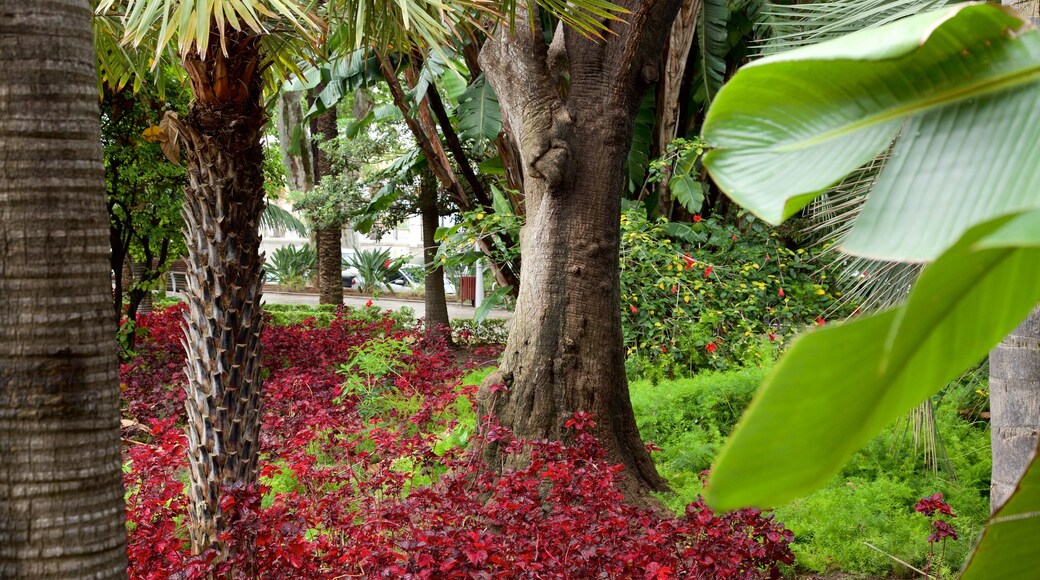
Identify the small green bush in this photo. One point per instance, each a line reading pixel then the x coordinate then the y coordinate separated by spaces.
pixel 292 266
pixel 321 315
pixel 870 500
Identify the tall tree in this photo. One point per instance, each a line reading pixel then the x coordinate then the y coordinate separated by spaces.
pixel 436 319
pixel 61 494
pixel 565 352
pixel 223 203
pixel 1014 382
pixel 329 235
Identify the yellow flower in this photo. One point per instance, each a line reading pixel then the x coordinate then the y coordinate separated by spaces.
pixel 686 298
pixel 480 216
pixel 472 240
pixel 820 292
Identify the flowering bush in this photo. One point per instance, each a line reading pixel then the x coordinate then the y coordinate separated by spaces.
pixel 935 508
pixel 369 478
pixel 731 299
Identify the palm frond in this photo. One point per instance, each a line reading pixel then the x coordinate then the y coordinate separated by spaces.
pixel 275 217
pixel 192 24
pixel 712 36
pixel 793 25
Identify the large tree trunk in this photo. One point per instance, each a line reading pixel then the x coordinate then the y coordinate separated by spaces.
pixel 61 493
pixel 1014 391
pixel 1014 382
pixel 565 352
pixel 330 245
pixel 222 207
pixel 436 319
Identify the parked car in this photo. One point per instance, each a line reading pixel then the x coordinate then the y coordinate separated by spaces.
pixel 402 281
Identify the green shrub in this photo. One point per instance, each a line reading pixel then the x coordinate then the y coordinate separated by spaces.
pixel 733 298
pixel 871 500
pixel 292 266
pixel 374 267
pixel 321 315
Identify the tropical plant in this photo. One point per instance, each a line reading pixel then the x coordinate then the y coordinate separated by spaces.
pixel 374 268
pixel 728 297
pixel 61 493
pixel 292 266
pixel 144 194
pixel 972 209
pixel 229 50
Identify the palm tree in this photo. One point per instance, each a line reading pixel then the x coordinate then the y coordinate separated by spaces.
pixel 225 56
pixel 61 494
pixel 1014 384
pixel 225 48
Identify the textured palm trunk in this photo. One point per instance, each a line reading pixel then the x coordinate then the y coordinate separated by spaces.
pixel 61 493
pixel 565 352
pixel 330 245
pixel 437 320
pixel 1014 382
pixel 222 206
pixel 1014 391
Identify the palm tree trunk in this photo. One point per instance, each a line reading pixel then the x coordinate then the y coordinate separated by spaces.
pixel 61 493
pixel 1014 383
pixel 223 203
pixel 330 244
pixel 1014 391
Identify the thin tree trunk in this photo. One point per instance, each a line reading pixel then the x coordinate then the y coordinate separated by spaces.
pixel 330 245
pixel 61 493
pixel 680 40
pixel 437 320
pixel 298 160
pixel 565 352
pixel 223 203
pixel 1014 383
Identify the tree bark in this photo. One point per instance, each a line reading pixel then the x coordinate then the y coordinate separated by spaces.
pixel 330 244
pixel 1014 383
pixel 223 203
pixel 330 236
pixel 437 320
pixel 680 41
pixel 61 492
pixel 565 352
pixel 299 162
pixel 1014 391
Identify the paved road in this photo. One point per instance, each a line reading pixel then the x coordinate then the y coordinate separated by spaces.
pixel 454 309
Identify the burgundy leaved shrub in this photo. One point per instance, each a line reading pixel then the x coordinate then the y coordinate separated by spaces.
pixel 395 495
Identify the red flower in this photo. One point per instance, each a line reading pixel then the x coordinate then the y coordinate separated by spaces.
pixel 697 218
pixel 780 293
pixel 821 321
pixel 386 264
pixel 734 238
pixel 675 289
pixel 689 261
pixel 772 337
pixel 708 271
pixel 711 347
pixel 663 349
pixel 633 308
pixel 368 304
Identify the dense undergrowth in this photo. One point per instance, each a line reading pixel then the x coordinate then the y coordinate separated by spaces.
pixel 364 474
pixel 870 501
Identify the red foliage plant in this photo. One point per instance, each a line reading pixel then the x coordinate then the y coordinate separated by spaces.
pixel 396 495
